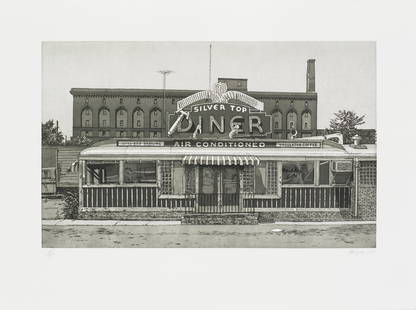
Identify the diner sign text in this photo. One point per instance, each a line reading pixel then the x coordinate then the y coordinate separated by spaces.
pixel 220 118
pixel 220 143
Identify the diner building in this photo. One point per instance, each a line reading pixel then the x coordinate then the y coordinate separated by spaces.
pixel 219 163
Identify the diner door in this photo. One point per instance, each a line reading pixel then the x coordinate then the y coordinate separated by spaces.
pixel 219 189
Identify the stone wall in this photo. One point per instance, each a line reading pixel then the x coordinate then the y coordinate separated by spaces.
pixel 130 215
pixel 305 216
pixel 367 201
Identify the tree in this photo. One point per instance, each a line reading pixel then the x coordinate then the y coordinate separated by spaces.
pixel 346 122
pixel 79 140
pixel 51 134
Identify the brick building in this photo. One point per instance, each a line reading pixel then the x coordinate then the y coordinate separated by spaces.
pixel 145 113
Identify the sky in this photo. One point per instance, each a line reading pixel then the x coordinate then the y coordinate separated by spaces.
pixel 345 71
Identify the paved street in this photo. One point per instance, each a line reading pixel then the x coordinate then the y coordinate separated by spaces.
pixel 211 236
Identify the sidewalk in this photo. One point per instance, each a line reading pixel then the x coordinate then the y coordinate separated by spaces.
pixel 168 223
pixel 107 223
pixel 328 223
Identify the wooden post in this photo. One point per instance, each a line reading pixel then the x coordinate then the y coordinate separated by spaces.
pixel 316 172
pixel 121 172
pixel 196 186
pixel 241 191
pixel 356 182
pixel 81 176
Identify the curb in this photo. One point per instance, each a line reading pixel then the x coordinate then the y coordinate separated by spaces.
pixel 107 223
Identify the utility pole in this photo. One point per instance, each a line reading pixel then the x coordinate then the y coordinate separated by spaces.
pixel 210 65
pixel 164 73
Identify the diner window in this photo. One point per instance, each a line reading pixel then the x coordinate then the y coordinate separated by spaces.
pixel 102 173
pixel 155 118
pixel 368 173
pixel 341 178
pixel 341 173
pixel 306 121
pixel 291 120
pixel 166 184
pixel 86 118
pixel 324 173
pixel 140 172
pixel 277 120
pixel 263 179
pixel 104 118
pixel 121 118
pixel 176 179
pixel 138 118
pixel 298 172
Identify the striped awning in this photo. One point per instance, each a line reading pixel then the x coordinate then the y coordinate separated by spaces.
pixel 220 160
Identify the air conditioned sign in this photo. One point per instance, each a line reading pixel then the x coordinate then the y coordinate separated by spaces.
pixel 219 143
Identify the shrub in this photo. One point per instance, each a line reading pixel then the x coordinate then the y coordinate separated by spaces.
pixel 71 204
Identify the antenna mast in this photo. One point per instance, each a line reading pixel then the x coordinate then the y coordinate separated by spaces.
pixel 210 64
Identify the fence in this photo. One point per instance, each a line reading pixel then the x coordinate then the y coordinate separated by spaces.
pixel 147 197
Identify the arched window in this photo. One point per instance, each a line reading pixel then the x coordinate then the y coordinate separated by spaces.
pixel 155 118
pixel 292 120
pixel 104 118
pixel 121 118
pixel 138 118
pixel 86 118
pixel 307 120
pixel 277 119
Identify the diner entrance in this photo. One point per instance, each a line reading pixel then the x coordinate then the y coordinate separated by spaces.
pixel 219 189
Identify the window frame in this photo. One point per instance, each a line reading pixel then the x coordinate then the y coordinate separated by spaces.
pixel 121 117
pixel 309 112
pixel 86 117
pixel 171 164
pixel 143 184
pixel 152 118
pixel 279 182
pixel 104 115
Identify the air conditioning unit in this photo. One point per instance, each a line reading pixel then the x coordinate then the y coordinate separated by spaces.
pixel 342 166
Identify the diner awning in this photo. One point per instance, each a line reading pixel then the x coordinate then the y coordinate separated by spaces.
pixel 220 160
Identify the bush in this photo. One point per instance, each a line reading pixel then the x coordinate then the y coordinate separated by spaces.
pixel 71 204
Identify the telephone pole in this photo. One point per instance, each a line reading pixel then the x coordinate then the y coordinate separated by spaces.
pixel 164 73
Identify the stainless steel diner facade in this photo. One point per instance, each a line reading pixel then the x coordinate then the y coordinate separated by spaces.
pixel 279 179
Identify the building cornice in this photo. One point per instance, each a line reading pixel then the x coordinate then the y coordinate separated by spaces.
pixel 111 92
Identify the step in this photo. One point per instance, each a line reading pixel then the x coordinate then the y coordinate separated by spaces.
pixel 220 219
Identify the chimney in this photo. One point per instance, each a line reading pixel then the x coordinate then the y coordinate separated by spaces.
pixel 310 76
